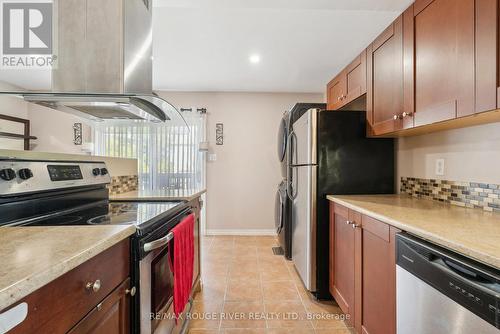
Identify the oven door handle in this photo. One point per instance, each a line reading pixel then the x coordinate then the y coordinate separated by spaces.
pixel 159 242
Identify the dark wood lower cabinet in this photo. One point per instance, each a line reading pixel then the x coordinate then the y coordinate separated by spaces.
pixel 343 263
pixel 363 270
pixel 93 297
pixel 112 315
pixel 378 272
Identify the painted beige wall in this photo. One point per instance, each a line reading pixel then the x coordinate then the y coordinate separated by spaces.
pixel 471 154
pixel 53 128
pixel 242 183
pixel 12 106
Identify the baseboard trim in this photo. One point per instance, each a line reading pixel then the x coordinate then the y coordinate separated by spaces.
pixel 241 232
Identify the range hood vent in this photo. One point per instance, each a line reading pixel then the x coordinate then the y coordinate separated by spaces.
pixel 103 62
pixel 107 106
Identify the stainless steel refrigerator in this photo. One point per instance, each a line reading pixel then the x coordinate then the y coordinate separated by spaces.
pixel 329 153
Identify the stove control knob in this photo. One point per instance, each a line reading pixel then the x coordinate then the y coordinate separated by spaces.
pixel 25 173
pixel 7 174
pixel 96 171
pixel 104 171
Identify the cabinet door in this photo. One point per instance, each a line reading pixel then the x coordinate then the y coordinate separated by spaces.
pixel 356 78
pixel 336 92
pixel 378 278
pixel 487 69
pixel 444 60
pixel 343 261
pixel 112 315
pixel 385 80
pixel 331 248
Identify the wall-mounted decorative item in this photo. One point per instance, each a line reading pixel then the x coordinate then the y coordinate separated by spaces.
pixel 219 134
pixel 77 132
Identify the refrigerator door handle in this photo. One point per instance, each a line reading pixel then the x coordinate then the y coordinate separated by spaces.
pixel 290 179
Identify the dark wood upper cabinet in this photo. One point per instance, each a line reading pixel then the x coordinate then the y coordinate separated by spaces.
pixel 336 92
pixel 348 85
pixel 384 96
pixel 444 50
pixel 435 65
pixel 487 67
pixel 355 77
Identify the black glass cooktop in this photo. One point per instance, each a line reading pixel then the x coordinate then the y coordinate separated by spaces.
pixel 141 214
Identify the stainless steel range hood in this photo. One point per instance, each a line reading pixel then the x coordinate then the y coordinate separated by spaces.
pixel 103 62
pixel 107 106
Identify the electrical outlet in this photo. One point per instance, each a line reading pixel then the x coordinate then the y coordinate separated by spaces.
pixel 439 166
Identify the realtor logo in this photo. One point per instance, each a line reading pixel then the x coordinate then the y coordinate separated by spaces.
pixel 26 34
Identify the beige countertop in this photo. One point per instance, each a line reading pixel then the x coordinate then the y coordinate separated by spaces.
pixel 34 256
pixel 471 232
pixel 159 195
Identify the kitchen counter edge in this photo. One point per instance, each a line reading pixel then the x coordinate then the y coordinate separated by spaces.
pixel 16 290
pixel 437 239
pixel 157 196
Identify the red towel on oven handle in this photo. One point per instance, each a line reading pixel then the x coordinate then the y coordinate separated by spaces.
pixel 183 263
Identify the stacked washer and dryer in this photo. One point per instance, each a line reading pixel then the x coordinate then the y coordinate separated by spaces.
pixel 283 214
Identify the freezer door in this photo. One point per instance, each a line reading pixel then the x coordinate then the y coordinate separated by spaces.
pixel 303 139
pixel 304 225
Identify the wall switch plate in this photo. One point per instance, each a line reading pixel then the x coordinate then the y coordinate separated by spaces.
pixel 439 166
pixel 212 157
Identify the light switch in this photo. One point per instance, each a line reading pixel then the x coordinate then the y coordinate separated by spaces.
pixel 212 157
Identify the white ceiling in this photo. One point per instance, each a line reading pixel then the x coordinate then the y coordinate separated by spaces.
pixel 205 45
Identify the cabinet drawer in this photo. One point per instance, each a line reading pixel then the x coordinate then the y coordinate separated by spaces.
pixel 59 305
pixel 341 210
pixel 112 315
pixel 376 227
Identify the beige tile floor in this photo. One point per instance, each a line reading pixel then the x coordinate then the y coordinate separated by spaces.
pixel 248 289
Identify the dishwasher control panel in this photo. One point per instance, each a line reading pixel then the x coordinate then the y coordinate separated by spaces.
pixel 473 285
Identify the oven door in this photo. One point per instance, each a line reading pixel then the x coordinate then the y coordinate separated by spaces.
pixel 156 285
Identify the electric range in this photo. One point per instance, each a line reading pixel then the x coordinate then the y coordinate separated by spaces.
pixel 67 193
pixel 145 216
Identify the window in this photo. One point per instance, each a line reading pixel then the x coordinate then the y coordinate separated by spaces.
pixel 168 153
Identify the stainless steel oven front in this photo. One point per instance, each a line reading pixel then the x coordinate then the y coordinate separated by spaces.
pixel 156 281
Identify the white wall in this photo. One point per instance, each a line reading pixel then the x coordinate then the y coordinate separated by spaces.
pixel 242 183
pixel 471 154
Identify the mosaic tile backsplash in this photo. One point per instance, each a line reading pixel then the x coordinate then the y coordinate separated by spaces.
pixel 123 184
pixel 465 194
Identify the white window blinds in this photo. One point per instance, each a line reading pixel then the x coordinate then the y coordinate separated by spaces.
pixel 168 153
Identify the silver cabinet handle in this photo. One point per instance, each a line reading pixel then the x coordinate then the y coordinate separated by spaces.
pixel 131 291
pixel 407 114
pixel 348 222
pixel 95 286
pixel 158 243
pixel 355 226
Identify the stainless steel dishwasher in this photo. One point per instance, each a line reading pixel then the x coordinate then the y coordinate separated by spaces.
pixel 439 291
